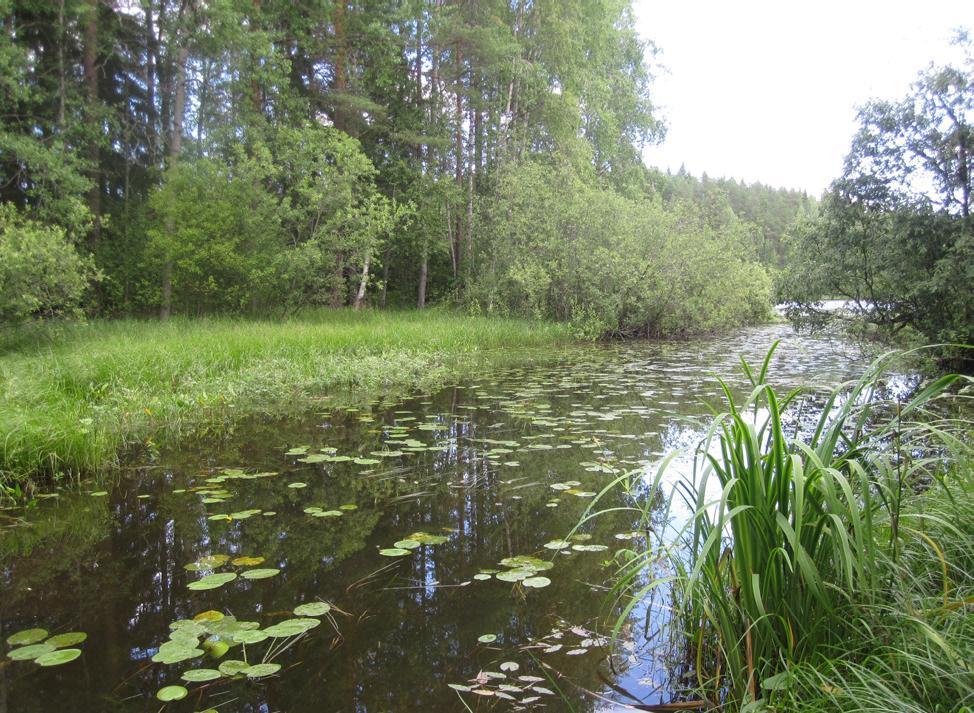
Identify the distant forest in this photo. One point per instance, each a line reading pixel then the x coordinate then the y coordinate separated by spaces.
pixel 188 156
pixel 258 157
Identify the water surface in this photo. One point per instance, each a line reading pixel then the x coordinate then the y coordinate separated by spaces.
pixel 492 468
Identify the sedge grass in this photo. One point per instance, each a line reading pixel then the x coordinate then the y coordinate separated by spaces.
pixel 829 570
pixel 72 395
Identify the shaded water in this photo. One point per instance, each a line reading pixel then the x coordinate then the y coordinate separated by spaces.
pixel 471 467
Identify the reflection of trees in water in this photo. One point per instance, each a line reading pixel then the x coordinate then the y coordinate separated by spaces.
pixel 114 567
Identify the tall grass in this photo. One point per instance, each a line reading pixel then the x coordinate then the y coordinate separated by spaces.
pixel 71 395
pixel 823 568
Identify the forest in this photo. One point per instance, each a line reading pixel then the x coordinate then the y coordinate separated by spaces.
pixel 388 154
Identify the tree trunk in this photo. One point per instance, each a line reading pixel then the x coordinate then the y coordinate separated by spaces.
pixel 423 272
pixel 340 86
pixel 90 61
pixel 175 147
pixel 151 64
pixel 338 286
pixel 364 282
pixel 458 149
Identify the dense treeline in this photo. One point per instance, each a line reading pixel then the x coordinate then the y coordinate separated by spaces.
pixel 895 234
pixel 238 155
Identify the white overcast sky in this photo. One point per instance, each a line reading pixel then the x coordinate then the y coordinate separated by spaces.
pixel 766 90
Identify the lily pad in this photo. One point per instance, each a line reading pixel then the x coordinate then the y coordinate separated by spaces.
pixel 298 484
pixel 71 638
pixel 264 573
pixel 30 652
pixel 198 675
pixel 250 637
pixel 407 544
pixel 487 638
pixel 27 636
pixel 291 627
pixel 56 658
pixel 558 545
pixel 231 667
pixel 393 552
pixel 536 582
pixel 262 669
pixel 209 615
pixel 312 609
pixel 171 693
pixel 212 581
pixel 246 561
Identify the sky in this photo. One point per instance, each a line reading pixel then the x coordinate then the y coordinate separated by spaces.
pixel 767 91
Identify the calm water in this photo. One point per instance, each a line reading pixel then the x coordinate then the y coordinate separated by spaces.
pixel 488 469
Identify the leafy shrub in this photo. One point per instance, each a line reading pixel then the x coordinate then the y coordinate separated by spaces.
pixel 41 272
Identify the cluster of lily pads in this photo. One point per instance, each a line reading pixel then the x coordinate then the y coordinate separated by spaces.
pixel 218 579
pixel 38 646
pixel 411 542
pixel 523 689
pixel 213 634
pixel 523 569
pixel 571 640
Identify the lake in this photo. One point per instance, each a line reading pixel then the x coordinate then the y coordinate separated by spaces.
pixel 401 555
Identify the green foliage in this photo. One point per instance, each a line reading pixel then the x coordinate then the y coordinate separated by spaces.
pixel 71 397
pixel 558 247
pixel 41 273
pixel 816 562
pixel 895 235
pixel 219 229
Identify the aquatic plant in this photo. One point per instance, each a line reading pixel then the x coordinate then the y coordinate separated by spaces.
pixel 801 547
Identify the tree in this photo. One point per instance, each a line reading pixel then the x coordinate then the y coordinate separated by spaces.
pixel 895 235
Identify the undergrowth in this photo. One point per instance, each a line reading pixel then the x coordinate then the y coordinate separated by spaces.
pixel 72 395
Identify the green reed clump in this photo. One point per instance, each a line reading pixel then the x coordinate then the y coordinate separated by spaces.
pixel 72 395
pixel 812 567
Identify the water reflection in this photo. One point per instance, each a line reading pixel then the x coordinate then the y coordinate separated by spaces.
pixel 475 463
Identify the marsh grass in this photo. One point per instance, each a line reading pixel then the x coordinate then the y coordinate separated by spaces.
pixel 74 394
pixel 831 571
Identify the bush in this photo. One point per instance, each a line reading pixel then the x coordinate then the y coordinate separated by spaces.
pixel 556 246
pixel 41 272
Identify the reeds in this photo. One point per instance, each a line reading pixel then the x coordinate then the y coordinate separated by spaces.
pixel 820 558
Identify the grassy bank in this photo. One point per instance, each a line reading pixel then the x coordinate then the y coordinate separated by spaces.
pixel 827 571
pixel 73 395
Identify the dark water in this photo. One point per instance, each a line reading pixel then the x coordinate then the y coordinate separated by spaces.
pixel 473 465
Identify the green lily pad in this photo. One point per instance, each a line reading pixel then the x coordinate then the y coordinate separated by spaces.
pixel 393 552
pixel 262 669
pixel 250 637
pixel 27 636
pixel 312 609
pixel 231 667
pixel 407 544
pixel 246 561
pixel 297 485
pixel 536 582
pixel 487 638
pixel 291 627
pixel 56 658
pixel 216 649
pixel 171 693
pixel 212 581
pixel 71 638
pixel 199 675
pixel 263 573
pixel 30 652
pixel 558 545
